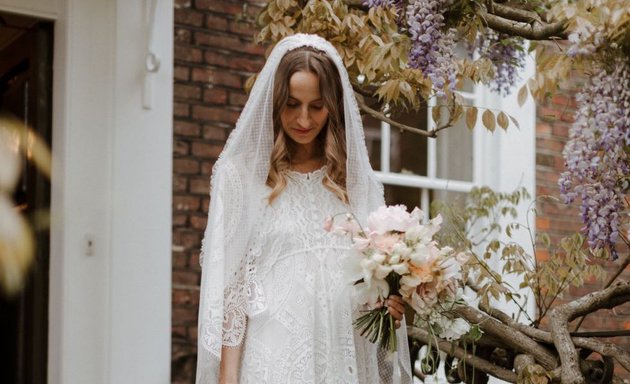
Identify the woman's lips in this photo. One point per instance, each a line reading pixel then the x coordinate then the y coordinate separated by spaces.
pixel 302 131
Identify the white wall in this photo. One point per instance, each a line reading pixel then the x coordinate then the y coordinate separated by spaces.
pixel 109 312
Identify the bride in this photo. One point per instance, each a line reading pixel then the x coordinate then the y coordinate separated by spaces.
pixel 274 305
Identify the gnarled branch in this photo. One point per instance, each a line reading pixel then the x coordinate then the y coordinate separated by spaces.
pixel 462 355
pixel 512 337
pixel 560 316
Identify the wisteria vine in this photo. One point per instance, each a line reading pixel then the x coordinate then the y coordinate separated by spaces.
pixel 432 46
pixel 596 156
pixel 508 55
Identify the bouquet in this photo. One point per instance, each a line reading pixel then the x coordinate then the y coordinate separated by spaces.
pixel 396 254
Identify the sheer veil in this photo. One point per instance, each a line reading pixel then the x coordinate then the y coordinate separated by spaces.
pixel 238 197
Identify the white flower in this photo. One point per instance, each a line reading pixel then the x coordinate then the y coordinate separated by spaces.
pixel 400 268
pixel 371 292
pixel 391 218
pixel 453 329
pixel 382 271
pixel 401 249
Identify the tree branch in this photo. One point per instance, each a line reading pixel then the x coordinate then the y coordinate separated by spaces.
pixel 560 316
pixel 621 268
pixel 463 355
pixel 531 31
pixel 512 337
pixel 380 116
pixel 603 348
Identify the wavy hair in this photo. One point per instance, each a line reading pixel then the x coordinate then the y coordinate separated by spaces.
pixel 331 140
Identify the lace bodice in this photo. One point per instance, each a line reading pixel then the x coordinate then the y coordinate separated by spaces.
pixel 291 306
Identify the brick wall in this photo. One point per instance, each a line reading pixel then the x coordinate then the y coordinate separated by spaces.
pixel 558 219
pixel 214 56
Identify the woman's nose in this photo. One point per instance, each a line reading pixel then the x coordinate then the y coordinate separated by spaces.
pixel 304 118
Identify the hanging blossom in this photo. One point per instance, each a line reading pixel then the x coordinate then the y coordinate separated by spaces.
pixel 508 56
pixel 432 46
pixel 597 163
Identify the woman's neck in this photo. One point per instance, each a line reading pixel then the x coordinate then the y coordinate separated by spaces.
pixel 306 158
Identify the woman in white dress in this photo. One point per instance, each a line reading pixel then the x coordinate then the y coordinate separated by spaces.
pixel 275 306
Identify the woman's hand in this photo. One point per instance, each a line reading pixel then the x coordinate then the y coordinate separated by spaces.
pixel 396 307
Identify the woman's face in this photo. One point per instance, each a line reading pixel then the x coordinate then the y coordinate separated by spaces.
pixel 304 116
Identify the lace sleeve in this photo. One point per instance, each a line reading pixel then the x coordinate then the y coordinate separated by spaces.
pixel 234 312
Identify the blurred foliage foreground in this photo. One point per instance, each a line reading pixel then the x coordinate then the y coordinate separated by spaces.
pixel 17 245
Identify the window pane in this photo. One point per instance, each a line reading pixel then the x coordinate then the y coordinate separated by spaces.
pixel 455 153
pixel 408 149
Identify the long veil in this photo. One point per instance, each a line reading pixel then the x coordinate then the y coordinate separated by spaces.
pixel 237 198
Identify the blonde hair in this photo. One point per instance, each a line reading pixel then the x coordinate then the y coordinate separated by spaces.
pixel 332 138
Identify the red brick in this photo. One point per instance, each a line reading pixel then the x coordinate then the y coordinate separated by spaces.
pixel 205 150
pixel 185 203
pixel 198 222
pixel 544 160
pixel 180 183
pixel 543 129
pixel 181 73
pixel 184 297
pixel 182 36
pixel 189 17
pixel 215 77
pixel 563 102
pixel 185 315
pixel 240 27
pixel 188 54
pixel 186 166
pixel 181 109
pixel 180 220
pixel 179 331
pixel 215 114
pixel 215 96
pixel 191 240
pixel 237 99
pixel 180 259
pixel 200 185
pixel 542 223
pixel 218 59
pixel 219 6
pixel 181 147
pixel 194 258
pixel 190 278
pixel 214 133
pixel 183 92
pixel 186 128
pixel 206 167
pixel 229 43
pixel 205 203
pixel 193 333
pixel 217 22
pixel 561 131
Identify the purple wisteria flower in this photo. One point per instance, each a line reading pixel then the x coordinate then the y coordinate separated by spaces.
pixel 432 45
pixel 508 56
pixel 596 159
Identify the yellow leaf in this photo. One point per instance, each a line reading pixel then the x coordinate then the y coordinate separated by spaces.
pixel 471 117
pixel 503 121
pixel 436 113
pixel 488 120
pixel 522 95
pixel 515 122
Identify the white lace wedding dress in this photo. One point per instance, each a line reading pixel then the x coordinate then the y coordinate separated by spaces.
pixel 290 306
